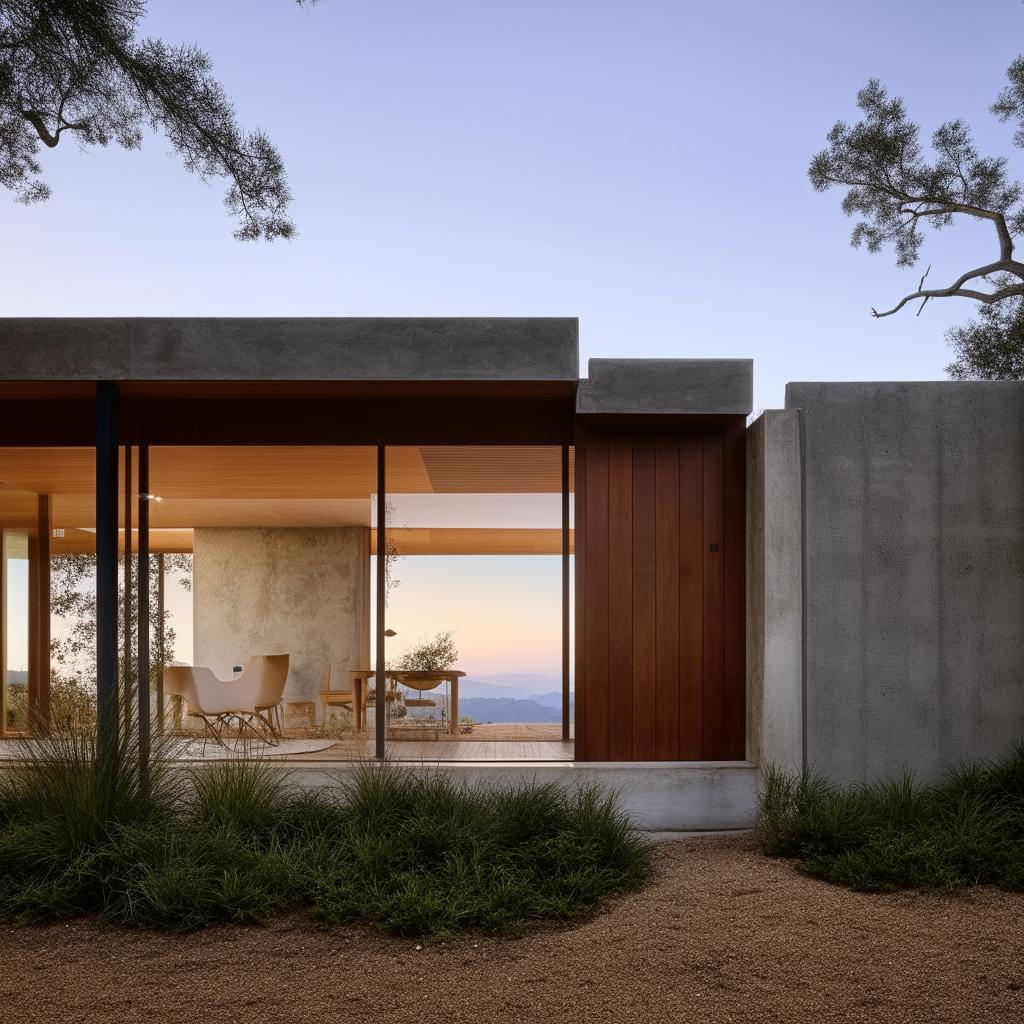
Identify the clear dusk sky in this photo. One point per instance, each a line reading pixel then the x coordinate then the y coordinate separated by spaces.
pixel 638 164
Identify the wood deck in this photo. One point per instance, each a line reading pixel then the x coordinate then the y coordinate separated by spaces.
pixel 492 742
pixel 445 750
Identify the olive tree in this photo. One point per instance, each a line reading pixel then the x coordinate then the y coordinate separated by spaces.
pixel 897 189
pixel 79 69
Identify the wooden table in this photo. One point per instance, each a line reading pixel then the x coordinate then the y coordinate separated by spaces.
pixel 362 679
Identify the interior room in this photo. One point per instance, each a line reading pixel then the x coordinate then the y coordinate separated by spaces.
pixel 258 551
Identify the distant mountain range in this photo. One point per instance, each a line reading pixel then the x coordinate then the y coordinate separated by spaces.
pixel 505 709
pixel 500 709
pixel 518 686
pixel 512 698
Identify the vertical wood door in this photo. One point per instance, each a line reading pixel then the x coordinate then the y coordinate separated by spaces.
pixel 660 522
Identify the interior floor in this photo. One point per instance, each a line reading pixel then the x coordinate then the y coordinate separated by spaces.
pixel 465 749
pixel 487 742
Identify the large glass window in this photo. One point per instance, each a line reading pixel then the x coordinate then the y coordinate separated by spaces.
pixel 48 570
pixel 266 551
pixel 271 550
pixel 15 642
pixel 475 587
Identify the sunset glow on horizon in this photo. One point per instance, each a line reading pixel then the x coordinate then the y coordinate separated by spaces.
pixel 504 611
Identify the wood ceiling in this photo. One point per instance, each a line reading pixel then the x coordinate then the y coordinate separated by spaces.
pixel 284 486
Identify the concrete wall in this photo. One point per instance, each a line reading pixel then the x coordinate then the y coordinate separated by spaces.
pixel 914 574
pixel 775 591
pixel 660 796
pixel 303 592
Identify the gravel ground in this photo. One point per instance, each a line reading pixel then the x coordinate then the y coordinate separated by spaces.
pixel 721 935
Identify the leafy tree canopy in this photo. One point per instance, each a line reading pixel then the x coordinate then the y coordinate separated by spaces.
pixel 897 189
pixel 77 68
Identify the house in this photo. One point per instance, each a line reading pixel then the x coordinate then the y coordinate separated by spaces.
pixel 836 585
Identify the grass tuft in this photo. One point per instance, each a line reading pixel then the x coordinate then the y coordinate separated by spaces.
pixel 966 830
pixel 407 853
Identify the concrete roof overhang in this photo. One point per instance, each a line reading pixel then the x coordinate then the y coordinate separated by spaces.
pixel 344 380
pixel 499 349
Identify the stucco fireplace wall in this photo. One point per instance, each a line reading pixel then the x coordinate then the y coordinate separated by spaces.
pixel 302 592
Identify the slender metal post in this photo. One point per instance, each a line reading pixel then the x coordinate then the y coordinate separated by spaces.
pixel 128 595
pixel 566 712
pixel 380 712
pixel 143 578
pixel 161 644
pixel 3 633
pixel 41 704
pixel 107 703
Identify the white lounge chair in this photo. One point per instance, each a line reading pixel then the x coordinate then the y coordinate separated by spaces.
pixel 251 701
pixel 269 674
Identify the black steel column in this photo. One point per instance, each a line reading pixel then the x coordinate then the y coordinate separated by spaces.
pixel 40 705
pixel 143 575
pixel 128 695
pixel 161 644
pixel 107 704
pixel 566 712
pixel 380 708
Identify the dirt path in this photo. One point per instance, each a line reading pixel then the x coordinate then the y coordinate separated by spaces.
pixel 722 935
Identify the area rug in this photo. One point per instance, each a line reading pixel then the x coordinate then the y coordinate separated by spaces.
pixel 193 750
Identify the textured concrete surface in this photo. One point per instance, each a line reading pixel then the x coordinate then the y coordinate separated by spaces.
pixel 660 796
pixel 309 348
pixel 774 591
pixel 914 562
pixel 667 386
pixel 302 592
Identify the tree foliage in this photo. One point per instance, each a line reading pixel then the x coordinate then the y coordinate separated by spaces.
pixel 896 188
pixel 78 69
pixel 436 655
pixel 73 602
pixel 990 347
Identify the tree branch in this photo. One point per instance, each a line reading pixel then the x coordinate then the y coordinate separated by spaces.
pixel 940 207
pixel 957 289
pixel 35 118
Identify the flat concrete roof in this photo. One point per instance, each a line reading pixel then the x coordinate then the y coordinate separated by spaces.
pixel 705 387
pixel 835 395
pixel 290 348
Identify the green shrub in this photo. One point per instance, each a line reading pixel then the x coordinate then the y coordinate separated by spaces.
pixel 966 830
pixel 242 795
pixel 406 853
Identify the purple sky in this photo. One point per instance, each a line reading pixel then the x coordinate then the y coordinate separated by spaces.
pixel 638 164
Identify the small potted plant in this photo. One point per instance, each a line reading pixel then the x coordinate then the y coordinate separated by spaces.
pixel 418 665
pixel 425 667
pixel 437 655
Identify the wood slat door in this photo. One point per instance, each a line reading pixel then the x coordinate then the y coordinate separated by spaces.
pixel 660 659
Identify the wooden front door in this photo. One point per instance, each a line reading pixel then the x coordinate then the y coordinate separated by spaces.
pixel 660 523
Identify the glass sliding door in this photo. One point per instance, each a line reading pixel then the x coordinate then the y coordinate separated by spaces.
pixel 475 603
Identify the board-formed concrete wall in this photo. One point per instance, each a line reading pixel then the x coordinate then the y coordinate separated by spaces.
pixel 913 547
pixel 302 592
